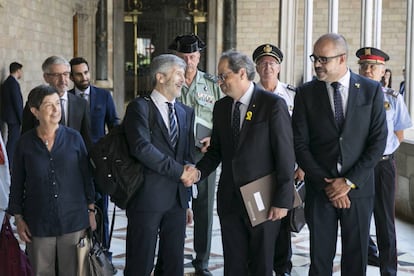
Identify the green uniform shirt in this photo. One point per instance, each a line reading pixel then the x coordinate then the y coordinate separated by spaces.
pixel 201 95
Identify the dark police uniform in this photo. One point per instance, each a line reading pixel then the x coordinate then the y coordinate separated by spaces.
pixel 282 263
pixel 398 119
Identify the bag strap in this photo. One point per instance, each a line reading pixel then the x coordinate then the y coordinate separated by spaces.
pixel 112 227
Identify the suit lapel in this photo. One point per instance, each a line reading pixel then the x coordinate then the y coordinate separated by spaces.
pixel 159 121
pixel 249 117
pixel 92 98
pixel 181 115
pixel 353 93
pixel 324 103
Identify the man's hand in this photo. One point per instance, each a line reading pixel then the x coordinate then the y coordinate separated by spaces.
pixel 277 213
pixel 206 143
pixel 337 188
pixel 190 175
pixel 189 216
pixel 342 202
pixel 299 174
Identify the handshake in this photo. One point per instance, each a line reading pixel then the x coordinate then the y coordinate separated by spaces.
pixel 190 175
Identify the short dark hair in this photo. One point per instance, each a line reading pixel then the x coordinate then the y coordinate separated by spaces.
pixel 77 61
pixel 14 66
pixel 37 94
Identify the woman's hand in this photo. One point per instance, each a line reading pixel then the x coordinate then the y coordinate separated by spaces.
pixel 22 229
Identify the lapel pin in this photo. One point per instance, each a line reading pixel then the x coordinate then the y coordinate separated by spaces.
pixel 357 85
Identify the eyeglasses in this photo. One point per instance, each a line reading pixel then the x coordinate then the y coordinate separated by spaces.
pixel 223 76
pixel 264 64
pixel 57 75
pixel 323 60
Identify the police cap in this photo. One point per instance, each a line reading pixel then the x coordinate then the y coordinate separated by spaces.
pixel 187 44
pixel 267 50
pixel 371 55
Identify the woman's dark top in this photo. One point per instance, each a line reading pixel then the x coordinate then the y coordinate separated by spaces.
pixel 52 190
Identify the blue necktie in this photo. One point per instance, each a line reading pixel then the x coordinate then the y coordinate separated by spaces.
pixel 339 110
pixel 235 126
pixel 173 125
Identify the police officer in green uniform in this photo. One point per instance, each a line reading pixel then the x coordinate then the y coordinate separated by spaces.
pixel 200 91
pixel 372 65
pixel 268 58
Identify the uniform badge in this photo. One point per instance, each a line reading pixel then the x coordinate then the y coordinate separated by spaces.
pixel 387 105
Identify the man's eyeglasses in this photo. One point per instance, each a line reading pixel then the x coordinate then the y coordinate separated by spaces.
pixel 57 75
pixel 223 76
pixel 264 64
pixel 323 60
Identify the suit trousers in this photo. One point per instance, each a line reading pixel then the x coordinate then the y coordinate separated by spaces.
pixel 13 135
pixel 248 251
pixel 142 232
pixel 384 215
pixel 322 219
pixel 203 219
pixel 283 248
pixel 44 252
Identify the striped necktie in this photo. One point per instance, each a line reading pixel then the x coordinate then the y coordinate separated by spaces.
pixel 173 125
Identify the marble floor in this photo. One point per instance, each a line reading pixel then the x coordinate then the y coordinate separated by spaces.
pixel 300 244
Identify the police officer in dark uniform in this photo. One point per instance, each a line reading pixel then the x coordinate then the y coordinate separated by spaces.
pixel 200 91
pixel 268 58
pixel 372 65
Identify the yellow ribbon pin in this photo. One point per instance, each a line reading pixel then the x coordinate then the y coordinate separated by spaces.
pixel 249 115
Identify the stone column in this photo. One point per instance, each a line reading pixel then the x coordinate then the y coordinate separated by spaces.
pixel 308 47
pixel 101 41
pixel 230 24
pixel 287 39
pixel 85 12
pixel 119 57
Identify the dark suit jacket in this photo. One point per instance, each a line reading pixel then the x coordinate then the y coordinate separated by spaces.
pixel 11 101
pixel 78 118
pixel 149 142
pixel 265 146
pixel 102 111
pixel 318 141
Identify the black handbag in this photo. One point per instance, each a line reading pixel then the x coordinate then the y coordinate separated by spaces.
pixel 297 215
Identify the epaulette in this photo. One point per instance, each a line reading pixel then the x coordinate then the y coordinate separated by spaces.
pixel 291 87
pixel 210 77
pixel 392 92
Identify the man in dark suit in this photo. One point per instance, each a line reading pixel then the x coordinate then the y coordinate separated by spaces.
pixel 340 132
pixel 252 137
pixel 12 107
pixel 160 135
pixel 56 72
pixel 102 115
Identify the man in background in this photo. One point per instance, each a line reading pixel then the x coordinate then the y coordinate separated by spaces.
pixel 200 91
pixel 75 111
pixel 372 65
pixel 102 116
pixel 268 58
pixel 12 107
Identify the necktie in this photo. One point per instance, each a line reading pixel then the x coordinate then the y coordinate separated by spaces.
pixel 235 126
pixel 339 111
pixel 173 125
pixel 62 111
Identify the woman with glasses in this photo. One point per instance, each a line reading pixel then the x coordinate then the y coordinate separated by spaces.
pixel 51 195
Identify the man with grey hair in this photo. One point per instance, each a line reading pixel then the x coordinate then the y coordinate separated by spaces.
pixel 75 110
pixel 252 137
pixel 160 135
